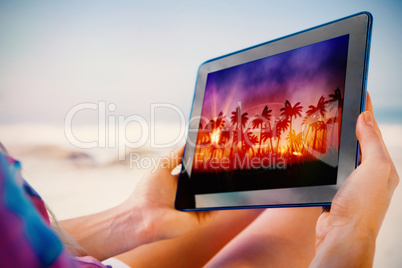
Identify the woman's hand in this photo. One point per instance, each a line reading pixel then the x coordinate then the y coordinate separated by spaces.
pixel 154 198
pixel 346 235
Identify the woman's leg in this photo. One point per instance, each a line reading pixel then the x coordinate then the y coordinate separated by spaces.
pixel 194 249
pixel 282 237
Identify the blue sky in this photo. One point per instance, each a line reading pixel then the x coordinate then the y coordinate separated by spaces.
pixel 54 55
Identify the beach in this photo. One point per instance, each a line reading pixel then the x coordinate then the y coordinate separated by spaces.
pixel 76 182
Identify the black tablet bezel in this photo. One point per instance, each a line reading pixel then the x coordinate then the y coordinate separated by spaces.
pixel 358 27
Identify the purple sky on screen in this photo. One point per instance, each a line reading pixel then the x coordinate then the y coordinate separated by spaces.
pixel 303 74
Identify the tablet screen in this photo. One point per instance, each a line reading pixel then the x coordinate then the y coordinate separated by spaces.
pixel 273 122
pixel 274 125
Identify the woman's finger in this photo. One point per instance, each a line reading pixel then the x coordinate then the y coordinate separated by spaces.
pixel 171 161
pixel 369 107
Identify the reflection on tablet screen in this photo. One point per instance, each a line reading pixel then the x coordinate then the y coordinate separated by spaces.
pixel 274 122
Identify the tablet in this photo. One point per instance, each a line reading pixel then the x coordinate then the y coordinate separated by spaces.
pixel 274 125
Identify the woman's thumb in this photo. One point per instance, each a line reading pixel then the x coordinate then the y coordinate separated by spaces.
pixel 370 142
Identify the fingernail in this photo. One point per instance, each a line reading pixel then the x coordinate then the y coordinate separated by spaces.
pixel 368 118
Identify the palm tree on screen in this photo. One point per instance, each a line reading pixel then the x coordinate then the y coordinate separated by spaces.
pixel 259 122
pixel 336 101
pixel 281 125
pixel 289 112
pixel 249 141
pixel 315 114
pixel 238 121
pixel 324 126
pixel 215 132
pixel 295 139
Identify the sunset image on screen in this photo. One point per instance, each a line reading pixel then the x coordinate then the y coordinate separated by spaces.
pixel 274 121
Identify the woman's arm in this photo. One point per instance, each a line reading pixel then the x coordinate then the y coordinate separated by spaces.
pixel 108 233
pixel 195 248
pixel 148 215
